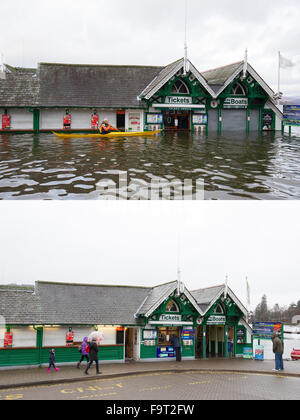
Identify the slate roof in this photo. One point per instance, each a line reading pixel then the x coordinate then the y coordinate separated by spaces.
pixel 93 85
pixel 19 88
pixel 83 304
pixel 160 77
pixel 89 304
pixel 204 297
pixel 20 306
pixel 156 294
pixel 219 75
pixel 100 86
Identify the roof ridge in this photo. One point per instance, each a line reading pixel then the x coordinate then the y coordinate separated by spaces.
pixel 210 287
pixel 164 284
pixel 222 67
pixel 100 65
pixel 89 284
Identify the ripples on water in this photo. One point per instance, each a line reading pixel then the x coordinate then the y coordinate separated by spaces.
pixel 260 166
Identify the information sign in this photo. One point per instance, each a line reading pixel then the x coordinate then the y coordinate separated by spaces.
pixel 247 353
pixel 164 352
pixel 291 115
pixel 259 353
pixel 265 330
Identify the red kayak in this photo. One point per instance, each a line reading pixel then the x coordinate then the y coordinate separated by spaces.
pixel 295 354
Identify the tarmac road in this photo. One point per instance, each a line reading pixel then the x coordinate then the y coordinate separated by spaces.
pixel 163 386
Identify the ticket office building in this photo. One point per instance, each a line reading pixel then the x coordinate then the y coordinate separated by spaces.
pixel 58 315
pixel 137 98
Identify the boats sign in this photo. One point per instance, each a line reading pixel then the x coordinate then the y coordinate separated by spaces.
pixel 216 320
pixel 236 103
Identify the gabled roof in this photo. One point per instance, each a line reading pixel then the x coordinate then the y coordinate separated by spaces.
pixel 167 73
pixel 221 77
pixel 204 297
pixel 207 297
pixel 159 294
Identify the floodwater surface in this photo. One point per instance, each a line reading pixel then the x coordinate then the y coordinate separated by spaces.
pixel 232 166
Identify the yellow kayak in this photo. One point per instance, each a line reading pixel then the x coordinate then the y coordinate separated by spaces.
pixel 113 134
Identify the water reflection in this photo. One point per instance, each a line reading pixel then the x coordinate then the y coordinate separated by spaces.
pixel 258 166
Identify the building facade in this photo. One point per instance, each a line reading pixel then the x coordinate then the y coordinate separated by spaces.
pixel 137 322
pixel 137 98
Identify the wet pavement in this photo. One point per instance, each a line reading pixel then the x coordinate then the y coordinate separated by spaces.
pixel 68 374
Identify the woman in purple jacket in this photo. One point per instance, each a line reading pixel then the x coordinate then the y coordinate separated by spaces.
pixel 84 353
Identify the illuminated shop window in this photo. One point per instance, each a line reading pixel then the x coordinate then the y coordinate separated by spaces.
pixel 165 334
pixel 180 87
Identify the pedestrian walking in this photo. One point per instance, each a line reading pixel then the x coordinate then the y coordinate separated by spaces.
pixel 230 345
pixel 52 361
pixel 278 350
pixel 93 346
pixel 176 344
pixel 83 349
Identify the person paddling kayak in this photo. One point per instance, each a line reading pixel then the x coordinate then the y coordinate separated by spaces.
pixel 106 128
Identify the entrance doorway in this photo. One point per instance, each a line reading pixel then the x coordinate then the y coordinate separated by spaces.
pixel 176 120
pixel 214 341
pixel 121 120
pixel 129 335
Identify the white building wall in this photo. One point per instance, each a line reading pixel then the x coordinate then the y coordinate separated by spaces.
pixel 21 119
pixel 109 335
pixel 81 119
pixel 111 116
pixel 55 336
pixel 81 332
pixel 51 119
pixel 24 337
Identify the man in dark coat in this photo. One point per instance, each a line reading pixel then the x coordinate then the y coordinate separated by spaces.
pixel 176 344
pixel 278 350
pixel 93 356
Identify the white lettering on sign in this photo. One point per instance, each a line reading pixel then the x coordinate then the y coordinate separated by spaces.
pixel 236 103
pixel 216 320
pixel 182 100
pixel 165 317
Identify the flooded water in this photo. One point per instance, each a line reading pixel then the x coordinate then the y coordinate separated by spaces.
pixel 260 166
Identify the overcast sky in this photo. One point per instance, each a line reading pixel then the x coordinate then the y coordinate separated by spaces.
pixel 152 33
pixel 136 243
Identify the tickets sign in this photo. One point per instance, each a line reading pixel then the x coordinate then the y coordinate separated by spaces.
pixel 178 100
